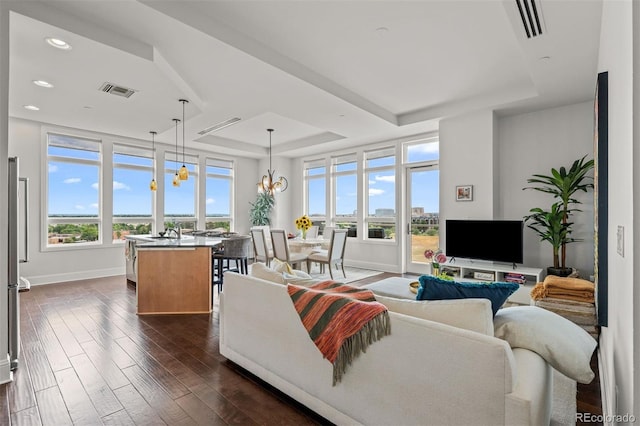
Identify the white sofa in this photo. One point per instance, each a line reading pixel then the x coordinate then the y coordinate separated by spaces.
pixel 425 372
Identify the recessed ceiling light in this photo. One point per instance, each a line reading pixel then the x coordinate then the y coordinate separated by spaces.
pixel 31 108
pixel 545 58
pixel 42 83
pixel 56 42
pixel 382 30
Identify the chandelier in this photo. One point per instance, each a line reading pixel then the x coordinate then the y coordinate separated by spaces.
pixel 268 183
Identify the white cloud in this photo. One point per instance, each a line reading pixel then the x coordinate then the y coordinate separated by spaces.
pixel 426 148
pixel 79 207
pixel 53 168
pixel 94 205
pixel 210 201
pixel 95 186
pixel 72 180
pixel 119 185
pixel 376 191
pixel 389 178
pixel 371 182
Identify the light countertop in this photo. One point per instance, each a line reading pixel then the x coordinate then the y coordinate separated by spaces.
pixel 187 241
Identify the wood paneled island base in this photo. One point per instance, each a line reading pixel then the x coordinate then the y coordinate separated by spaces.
pixel 174 280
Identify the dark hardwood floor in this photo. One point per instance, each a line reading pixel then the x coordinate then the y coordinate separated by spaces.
pixel 88 359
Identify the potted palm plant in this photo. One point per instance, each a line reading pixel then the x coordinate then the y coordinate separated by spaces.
pixel 553 225
pixel 260 212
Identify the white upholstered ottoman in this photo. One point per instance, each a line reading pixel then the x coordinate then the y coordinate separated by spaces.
pixel 397 287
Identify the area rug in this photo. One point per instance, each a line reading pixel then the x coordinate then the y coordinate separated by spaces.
pixel 353 274
pixel 563 410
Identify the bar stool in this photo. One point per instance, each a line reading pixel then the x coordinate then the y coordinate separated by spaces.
pixel 234 249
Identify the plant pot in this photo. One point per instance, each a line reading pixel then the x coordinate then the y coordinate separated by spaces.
pixel 559 272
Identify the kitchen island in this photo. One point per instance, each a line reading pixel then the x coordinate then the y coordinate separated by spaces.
pixel 174 275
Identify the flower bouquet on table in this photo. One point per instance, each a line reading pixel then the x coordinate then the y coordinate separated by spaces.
pixel 435 258
pixel 303 223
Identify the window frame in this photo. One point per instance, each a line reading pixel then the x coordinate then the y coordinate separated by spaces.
pixel 307 178
pixel 132 219
pixel 368 219
pixel 336 161
pixel 188 160
pixel 79 220
pixel 220 163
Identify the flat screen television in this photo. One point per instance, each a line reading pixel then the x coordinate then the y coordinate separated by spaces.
pixel 493 240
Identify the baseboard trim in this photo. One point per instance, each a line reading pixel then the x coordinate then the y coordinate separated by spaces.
pixel 384 267
pixel 608 404
pixel 6 375
pixel 74 276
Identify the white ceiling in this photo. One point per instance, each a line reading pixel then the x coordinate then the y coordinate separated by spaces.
pixel 324 74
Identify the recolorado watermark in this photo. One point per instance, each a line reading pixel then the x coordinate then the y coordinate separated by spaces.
pixel 605 418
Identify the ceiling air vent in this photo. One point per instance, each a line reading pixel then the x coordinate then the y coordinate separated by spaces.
pixel 114 89
pixel 531 16
pixel 219 126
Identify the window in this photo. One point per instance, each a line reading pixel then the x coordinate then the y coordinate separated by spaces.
pixel 218 194
pixel 380 172
pixel 74 188
pixel 315 175
pixel 180 201
pixel 428 150
pixel 345 182
pixel 132 199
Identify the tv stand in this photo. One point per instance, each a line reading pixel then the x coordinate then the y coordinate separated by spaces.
pixel 469 270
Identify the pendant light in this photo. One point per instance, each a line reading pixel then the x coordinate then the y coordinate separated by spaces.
pixel 176 178
pixel 153 186
pixel 184 173
pixel 268 183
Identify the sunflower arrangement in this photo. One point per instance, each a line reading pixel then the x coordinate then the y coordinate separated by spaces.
pixel 303 223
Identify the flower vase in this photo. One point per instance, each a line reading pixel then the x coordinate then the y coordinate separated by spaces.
pixel 304 234
pixel 435 269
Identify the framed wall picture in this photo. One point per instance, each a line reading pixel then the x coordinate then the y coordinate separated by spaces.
pixel 464 193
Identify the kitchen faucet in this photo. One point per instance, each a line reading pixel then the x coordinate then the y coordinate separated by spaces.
pixel 178 231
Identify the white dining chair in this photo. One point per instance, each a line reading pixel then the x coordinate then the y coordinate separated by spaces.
pixel 333 256
pixel 262 252
pixel 312 232
pixel 281 250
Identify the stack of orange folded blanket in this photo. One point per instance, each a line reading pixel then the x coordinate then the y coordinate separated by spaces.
pixel 575 289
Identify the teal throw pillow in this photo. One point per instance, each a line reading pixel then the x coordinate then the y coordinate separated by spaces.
pixel 433 288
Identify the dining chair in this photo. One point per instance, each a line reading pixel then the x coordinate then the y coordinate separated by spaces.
pixel 281 249
pixel 312 232
pixel 333 256
pixel 262 252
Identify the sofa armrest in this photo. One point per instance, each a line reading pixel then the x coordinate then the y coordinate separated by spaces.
pixel 530 401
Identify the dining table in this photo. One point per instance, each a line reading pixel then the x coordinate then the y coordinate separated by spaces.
pixel 306 246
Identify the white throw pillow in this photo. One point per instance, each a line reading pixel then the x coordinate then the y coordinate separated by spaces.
pixel 260 270
pixel 298 278
pixel 563 344
pixel 470 314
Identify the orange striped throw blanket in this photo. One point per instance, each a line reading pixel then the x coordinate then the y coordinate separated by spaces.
pixel 341 320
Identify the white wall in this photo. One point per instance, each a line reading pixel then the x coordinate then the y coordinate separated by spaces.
pixel 467 158
pixel 617 340
pixel 26 141
pixel 533 143
pixel 497 155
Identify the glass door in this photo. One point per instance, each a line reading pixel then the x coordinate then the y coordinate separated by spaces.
pixel 423 221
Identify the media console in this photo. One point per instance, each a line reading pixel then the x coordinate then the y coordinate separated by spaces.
pixel 486 271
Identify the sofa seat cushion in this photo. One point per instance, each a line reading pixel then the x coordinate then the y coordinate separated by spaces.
pixel 470 314
pixel 434 288
pixel 564 345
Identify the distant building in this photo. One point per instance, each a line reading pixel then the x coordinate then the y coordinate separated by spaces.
pixel 417 211
pixel 385 212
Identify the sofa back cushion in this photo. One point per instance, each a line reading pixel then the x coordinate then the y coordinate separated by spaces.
pixel 470 314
